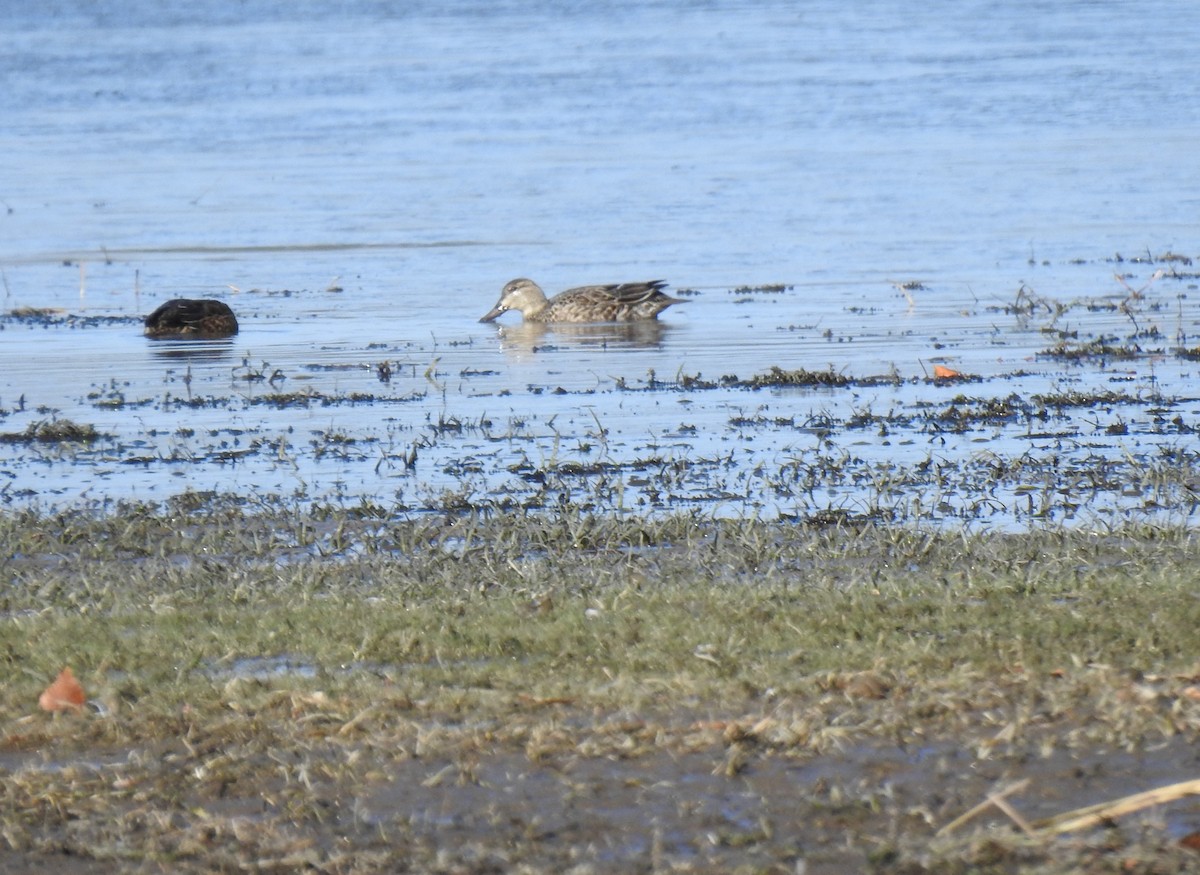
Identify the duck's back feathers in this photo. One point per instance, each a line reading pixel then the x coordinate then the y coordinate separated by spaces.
pixel 192 318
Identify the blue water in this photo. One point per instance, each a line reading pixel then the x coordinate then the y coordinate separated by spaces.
pixel 714 143
pixel 359 180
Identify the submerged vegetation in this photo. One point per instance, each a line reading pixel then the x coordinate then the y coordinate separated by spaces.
pixel 53 431
pixel 361 691
pixel 1035 408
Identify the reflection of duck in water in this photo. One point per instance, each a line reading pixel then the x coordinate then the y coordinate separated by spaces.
pixel 534 336
pixel 186 318
pixel 623 302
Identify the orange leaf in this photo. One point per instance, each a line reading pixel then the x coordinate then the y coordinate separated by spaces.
pixel 65 694
pixel 941 372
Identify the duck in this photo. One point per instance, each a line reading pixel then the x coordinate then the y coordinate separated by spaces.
pixel 192 318
pixel 619 302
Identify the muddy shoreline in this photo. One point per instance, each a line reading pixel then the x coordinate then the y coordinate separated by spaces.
pixel 490 692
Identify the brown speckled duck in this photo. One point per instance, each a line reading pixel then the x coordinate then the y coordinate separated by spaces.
pixel 622 302
pixel 187 318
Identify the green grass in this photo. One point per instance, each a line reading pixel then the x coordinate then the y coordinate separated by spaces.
pixel 563 605
pixel 328 639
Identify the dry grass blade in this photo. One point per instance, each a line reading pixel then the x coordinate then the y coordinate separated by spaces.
pixel 1015 816
pixel 1092 815
pixel 998 800
pixel 1079 818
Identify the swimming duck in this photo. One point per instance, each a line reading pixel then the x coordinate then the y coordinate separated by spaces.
pixel 622 302
pixel 191 318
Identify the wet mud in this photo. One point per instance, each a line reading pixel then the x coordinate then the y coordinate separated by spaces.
pixel 715 803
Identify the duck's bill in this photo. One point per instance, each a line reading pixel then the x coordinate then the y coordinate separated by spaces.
pixel 492 314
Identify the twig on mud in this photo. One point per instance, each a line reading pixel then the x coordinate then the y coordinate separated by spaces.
pixel 1091 815
pixel 997 799
pixel 1079 818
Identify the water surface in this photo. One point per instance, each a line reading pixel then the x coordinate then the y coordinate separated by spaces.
pixel 359 181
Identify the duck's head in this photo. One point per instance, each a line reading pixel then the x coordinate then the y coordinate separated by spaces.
pixel 522 295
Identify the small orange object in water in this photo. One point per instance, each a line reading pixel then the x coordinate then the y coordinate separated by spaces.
pixel 65 694
pixel 941 372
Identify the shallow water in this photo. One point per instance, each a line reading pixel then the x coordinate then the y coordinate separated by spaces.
pixel 359 182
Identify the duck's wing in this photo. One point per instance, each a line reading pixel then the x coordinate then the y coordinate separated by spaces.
pixel 189 313
pixel 627 294
pixel 176 312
